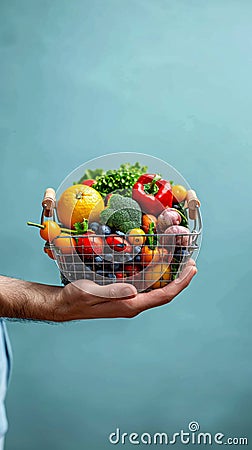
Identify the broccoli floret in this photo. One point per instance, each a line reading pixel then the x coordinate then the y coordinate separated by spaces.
pixel 122 213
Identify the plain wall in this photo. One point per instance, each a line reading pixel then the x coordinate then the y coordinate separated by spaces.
pixel 172 79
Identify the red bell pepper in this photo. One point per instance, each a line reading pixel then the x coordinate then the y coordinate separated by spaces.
pixel 89 182
pixel 152 193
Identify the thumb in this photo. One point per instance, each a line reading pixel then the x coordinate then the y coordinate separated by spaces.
pixel 114 291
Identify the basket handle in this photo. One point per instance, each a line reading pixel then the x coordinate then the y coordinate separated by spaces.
pixel 192 203
pixel 49 202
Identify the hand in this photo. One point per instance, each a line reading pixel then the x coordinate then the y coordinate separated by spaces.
pixel 85 299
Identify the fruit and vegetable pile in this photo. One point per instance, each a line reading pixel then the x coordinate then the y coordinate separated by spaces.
pixel 120 225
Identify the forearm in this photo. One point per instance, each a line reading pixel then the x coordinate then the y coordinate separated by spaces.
pixel 26 300
pixel 83 299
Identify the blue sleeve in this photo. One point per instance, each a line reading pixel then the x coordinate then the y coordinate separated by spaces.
pixel 5 371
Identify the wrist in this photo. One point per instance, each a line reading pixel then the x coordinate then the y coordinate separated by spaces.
pixel 47 305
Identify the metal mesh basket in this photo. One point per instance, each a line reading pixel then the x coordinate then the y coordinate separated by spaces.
pixel 145 268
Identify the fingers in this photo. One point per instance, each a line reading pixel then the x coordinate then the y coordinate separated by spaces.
pixel 186 275
pixel 104 299
pixel 100 294
pixel 164 295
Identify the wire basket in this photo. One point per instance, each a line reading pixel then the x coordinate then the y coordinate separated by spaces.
pixel 145 268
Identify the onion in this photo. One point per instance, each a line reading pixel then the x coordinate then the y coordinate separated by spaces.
pixel 168 239
pixel 168 217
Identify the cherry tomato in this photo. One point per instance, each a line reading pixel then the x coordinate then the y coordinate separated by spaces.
pixel 131 269
pixel 148 255
pixel 120 275
pixel 51 230
pixel 179 193
pixel 88 182
pixel 65 243
pixel 118 244
pixel 89 244
pixel 147 219
pixel 136 236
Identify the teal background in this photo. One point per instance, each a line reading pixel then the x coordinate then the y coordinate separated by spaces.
pixel 172 79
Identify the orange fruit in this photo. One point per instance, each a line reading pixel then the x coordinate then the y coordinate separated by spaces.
pixel 79 202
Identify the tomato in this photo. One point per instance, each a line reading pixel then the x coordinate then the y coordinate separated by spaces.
pixel 118 244
pixel 65 243
pixel 147 219
pixel 88 182
pixel 50 231
pixel 179 193
pixel 148 255
pixel 89 244
pixel 136 236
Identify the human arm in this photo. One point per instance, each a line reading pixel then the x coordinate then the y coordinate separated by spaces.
pixel 21 299
pixel 83 299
